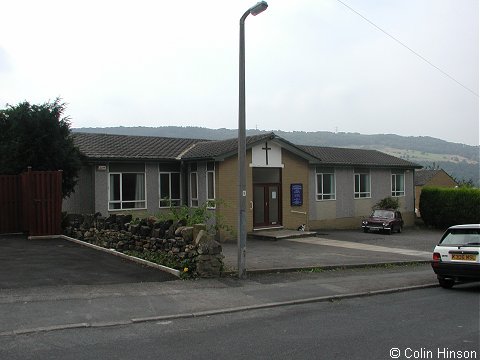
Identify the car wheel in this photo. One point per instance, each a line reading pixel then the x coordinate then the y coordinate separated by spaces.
pixel 400 229
pixel 446 283
pixel 389 231
pixel 365 230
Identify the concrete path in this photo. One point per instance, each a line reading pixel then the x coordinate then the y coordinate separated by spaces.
pixel 360 246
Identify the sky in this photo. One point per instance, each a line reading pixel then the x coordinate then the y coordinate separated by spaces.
pixel 406 67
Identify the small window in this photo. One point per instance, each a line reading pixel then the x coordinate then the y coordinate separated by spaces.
pixel 325 184
pixel 169 189
pixel 210 184
pixel 398 184
pixel 193 189
pixel 362 184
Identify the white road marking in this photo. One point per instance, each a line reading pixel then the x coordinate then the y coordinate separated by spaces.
pixel 360 246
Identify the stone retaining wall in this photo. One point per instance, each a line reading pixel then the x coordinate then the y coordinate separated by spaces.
pixel 188 249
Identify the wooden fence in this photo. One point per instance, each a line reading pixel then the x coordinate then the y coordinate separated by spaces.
pixel 31 203
pixel 10 204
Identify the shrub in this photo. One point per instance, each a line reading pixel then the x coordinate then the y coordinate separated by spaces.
pixel 387 203
pixel 197 215
pixel 444 207
pixel 191 215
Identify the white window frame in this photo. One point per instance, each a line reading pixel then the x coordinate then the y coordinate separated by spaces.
pixel 210 201
pixel 169 200
pixel 121 201
pixel 362 194
pixel 321 196
pixel 396 192
pixel 193 200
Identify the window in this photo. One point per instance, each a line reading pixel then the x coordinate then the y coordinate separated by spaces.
pixel 126 184
pixel 169 189
pixel 193 185
pixel 398 184
pixel 211 184
pixel 362 184
pixel 325 184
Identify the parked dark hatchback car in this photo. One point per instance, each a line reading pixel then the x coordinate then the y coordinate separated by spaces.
pixel 383 220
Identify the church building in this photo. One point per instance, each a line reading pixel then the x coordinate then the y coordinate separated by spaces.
pixel 288 185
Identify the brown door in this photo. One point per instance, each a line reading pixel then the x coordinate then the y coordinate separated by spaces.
pixel 266 205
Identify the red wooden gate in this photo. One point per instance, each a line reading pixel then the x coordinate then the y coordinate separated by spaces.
pixel 34 201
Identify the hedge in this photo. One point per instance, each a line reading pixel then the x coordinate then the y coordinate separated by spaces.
pixel 444 207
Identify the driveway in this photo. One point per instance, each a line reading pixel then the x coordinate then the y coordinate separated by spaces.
pixel 55 262
pixel 413 238
pixel 335 248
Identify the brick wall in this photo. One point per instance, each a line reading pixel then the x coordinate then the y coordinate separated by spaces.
pixel 226 192
pixel 294 172
pixel 441 179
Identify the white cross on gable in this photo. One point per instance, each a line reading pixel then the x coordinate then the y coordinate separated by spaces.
pixel 266 154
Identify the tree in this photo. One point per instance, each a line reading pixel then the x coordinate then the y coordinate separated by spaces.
pixel 39 136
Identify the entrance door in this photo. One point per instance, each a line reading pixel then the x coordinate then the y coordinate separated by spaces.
pixel 266 205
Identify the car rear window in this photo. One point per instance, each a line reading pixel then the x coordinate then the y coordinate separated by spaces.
pixel 462 237
pixel 383 214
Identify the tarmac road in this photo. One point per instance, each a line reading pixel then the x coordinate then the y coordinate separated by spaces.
pixel 49 285
pixel 391 326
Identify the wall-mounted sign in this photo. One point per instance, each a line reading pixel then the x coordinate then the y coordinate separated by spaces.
pixel 296 194
pixel 102 168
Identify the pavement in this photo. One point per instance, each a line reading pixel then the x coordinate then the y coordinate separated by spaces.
pixel 72 286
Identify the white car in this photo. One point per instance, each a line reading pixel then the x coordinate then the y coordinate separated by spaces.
pixel 457 255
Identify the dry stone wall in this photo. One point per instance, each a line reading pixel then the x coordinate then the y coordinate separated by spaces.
pixel 188 249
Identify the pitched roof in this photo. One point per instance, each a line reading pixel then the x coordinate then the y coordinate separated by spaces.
pixel 221 148
pixel 125 147
pixel 355 157
pixel 104 147
pixel 423 176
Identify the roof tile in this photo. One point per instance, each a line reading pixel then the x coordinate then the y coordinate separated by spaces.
pixel 356 157
pixel 124 147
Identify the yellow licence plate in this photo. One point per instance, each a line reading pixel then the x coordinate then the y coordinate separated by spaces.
pixel 465 257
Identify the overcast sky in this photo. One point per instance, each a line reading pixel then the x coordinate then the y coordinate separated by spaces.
pixel 312 65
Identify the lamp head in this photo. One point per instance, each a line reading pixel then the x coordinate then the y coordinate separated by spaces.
pixel 258 8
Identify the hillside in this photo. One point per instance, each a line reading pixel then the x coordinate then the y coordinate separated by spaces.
pixel 459 160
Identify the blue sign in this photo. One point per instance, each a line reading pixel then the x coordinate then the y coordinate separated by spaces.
pixel 296 194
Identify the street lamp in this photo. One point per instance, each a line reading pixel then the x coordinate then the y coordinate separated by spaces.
pixel 242 175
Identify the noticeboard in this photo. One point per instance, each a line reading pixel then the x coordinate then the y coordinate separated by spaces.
pixel 296 194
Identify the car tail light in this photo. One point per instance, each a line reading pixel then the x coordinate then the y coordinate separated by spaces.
pixel 436 256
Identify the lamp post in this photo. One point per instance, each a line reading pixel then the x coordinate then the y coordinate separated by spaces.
pixel 242 175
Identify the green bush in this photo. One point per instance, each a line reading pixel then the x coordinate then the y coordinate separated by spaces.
pixel 191 215
pixel 387 203
pixel 444 207
pixel 202 214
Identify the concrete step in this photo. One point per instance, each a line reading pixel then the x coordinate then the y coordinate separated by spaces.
pixel 279 234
